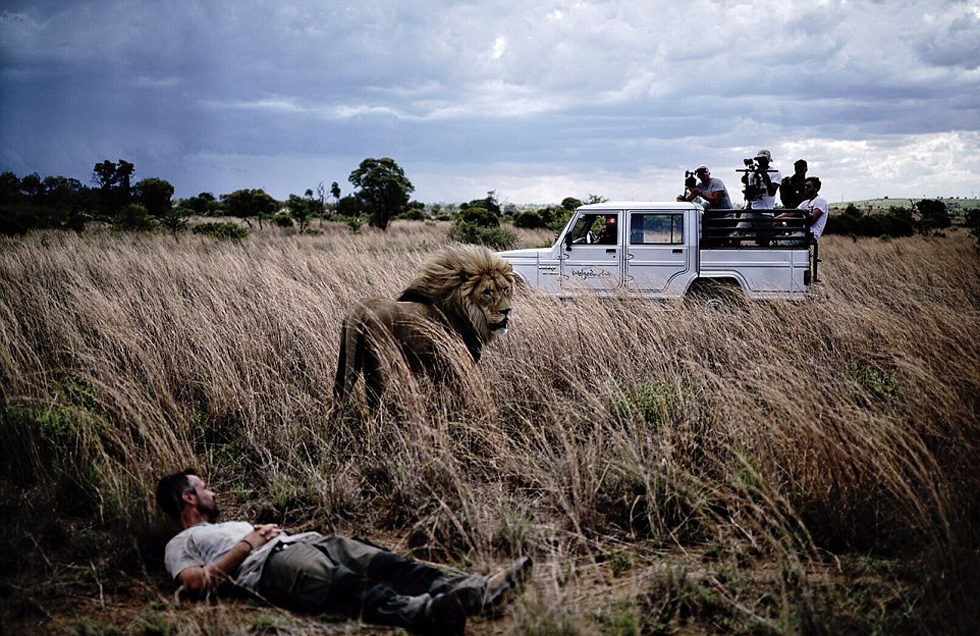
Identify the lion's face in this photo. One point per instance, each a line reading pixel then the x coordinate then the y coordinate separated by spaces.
pixel 489 298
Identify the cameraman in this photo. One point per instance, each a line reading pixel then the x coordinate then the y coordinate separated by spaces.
pixel 761 184
pixel 711 189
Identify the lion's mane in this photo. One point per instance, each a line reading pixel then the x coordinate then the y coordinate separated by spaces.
pixel 462 294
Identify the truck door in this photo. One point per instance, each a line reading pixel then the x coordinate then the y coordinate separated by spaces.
pixel 592 253
pixel 656 252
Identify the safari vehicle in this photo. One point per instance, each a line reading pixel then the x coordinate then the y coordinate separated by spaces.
pixel 669 250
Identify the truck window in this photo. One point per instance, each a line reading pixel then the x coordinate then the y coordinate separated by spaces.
pixel 657 228
pixel 596 228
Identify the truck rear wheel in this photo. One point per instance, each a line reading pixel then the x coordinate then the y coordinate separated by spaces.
pixel 716 294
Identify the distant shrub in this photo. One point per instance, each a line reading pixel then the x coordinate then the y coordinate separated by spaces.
pixel 133 217
pixel 478 216
pixel 493 237
pixel 530 220
pixel 411 214
pixel 973 222
pixel 934 215
pixel 221 230
pixel 353 222
pixel 852 222
pixel 283 220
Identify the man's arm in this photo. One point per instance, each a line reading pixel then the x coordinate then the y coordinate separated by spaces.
pixel 198 579
pixel 771 184
pixel 693 193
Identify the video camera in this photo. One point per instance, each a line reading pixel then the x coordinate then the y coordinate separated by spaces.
pixel 755 189
pixel 690 179
pixel 753 165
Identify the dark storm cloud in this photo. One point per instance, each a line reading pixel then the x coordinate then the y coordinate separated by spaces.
pixel 523 98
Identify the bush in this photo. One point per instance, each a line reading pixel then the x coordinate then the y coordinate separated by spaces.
pixel 221 231
pixel 493 237
pixel 353 222
pixel 133 217
pixel 973 222
pixel 530 220
pixel 852 222
pixel 411 214
pixel 283 220
pixel 478 216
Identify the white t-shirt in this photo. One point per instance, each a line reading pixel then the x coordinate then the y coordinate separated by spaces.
pixel 206 542
pixel 817 203
pixel 767 202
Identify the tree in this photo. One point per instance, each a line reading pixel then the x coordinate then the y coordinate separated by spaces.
pixel 114 182
pixel 935 216
pixel 303 209
pixel 488 203
pixel 384 189
pixel 245 204
pixel 154 195
pixel 335 191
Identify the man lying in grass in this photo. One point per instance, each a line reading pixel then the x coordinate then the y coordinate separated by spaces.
pixel 312 573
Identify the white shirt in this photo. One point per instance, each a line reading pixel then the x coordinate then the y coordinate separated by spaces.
pixel 206 542
pixel 767 202
pixel 816 203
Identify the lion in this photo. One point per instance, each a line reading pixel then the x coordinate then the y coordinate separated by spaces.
pixel 462 297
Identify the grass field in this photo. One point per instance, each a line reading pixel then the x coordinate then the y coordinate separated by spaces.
pixel 770 468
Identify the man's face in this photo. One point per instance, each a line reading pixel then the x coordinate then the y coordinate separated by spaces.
pixel 704 175
pixel 809 189
pixel 763 162
pixel 203 499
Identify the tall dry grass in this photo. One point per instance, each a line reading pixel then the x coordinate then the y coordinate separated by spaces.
pixel 781 431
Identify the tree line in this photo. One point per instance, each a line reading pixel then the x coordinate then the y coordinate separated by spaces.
pixel 116 199
pixel 382 193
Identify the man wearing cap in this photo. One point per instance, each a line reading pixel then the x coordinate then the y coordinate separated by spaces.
pixel 313 573
pixel 791 189
pixel 762 182
pixel 711 189
pixel 761 185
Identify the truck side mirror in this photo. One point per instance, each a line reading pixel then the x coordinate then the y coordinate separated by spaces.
pixel 568 241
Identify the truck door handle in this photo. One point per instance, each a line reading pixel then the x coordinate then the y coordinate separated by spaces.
pixel 611 251
pixel 678 251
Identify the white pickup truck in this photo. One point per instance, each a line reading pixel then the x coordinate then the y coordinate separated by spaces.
pixel 668 250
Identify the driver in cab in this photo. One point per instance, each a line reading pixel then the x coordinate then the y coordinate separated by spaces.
pixel 607 235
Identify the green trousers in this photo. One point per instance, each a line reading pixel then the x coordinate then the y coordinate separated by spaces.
pixel 335 574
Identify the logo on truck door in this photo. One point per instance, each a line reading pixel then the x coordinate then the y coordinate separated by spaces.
pixel 591 273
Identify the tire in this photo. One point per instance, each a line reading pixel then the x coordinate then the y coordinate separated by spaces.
pixel 716 295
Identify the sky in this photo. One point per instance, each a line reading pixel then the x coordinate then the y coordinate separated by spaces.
pixel 536 101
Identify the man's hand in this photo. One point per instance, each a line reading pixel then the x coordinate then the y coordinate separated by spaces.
pixel 262 535
pixel 199 579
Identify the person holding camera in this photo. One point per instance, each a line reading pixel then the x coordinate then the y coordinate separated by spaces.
pixel 711 189
pixel 761 184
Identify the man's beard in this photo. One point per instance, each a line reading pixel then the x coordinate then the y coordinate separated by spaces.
pixel 211 513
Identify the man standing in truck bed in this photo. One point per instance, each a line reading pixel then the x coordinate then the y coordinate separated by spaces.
pixel 711 189
pixel 761 184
